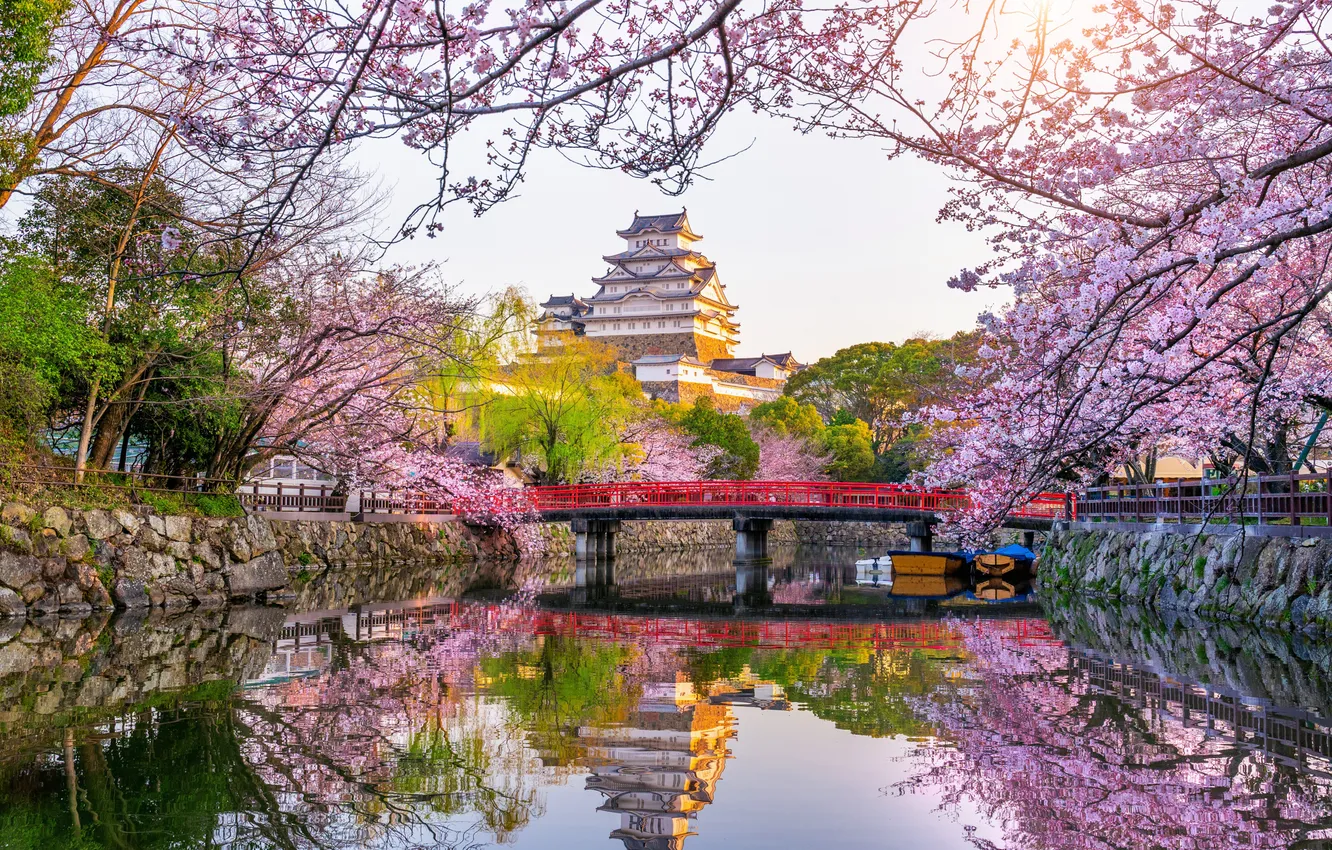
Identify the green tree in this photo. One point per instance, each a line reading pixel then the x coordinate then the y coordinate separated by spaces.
pixel 852 453
pixel 562 411
pixel 883 384
pixel 25 43
pixel 561 685
pixel 47 348
pixel 739 457
pixel 788 417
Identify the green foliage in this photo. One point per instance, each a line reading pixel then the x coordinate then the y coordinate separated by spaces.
pixel 47 348
pixel 882 384
pixel 564 410
pixel 215 504
pixel 560 686
pixel 739 458
pixel 25 41
pixel 786 416
pixel 852 453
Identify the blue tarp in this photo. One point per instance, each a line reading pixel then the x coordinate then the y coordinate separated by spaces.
pixel 1017 553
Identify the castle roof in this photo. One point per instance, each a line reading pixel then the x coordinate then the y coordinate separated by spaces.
pixel 563 301
pixel 658 359
pixel 649 250
pixel 740 365
pixel 672 271
pixel 669 223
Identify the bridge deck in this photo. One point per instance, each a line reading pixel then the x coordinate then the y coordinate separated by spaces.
pixel 829 501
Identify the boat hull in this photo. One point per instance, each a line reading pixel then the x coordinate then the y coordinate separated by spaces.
pixel 991 564
pixel 929 587
pixel 926 563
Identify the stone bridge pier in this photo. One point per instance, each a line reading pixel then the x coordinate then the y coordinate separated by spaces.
pixel 751 538
pixel 594 538
pixel 921 535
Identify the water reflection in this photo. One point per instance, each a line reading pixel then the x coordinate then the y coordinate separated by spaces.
pixel 661 710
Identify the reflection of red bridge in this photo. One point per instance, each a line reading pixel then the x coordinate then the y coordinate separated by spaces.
pixel 398 621
pixel 787 634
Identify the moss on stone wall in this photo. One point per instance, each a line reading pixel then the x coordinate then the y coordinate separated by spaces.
pixel 1274 581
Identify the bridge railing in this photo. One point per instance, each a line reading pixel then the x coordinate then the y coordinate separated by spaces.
pixel 1265 500
pixel 751 494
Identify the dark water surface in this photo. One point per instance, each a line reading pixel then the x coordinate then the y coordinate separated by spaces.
pixel 662 703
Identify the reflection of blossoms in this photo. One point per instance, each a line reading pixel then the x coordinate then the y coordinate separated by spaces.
pixel 1032 745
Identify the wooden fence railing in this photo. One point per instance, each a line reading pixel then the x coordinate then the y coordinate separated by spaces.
pixel 1265 500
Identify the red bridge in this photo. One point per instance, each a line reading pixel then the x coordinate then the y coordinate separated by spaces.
pixel 596 510
pixel 777 499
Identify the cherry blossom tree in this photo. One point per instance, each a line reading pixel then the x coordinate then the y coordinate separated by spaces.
pixel 1154 181
pixel 790 457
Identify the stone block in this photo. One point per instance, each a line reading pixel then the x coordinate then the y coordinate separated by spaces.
pixel 178 528
pixel 150 539
pixel 47 542
pixel 58 520
pixel 53 569
pixel 267 572
pixel 162 565
pixel 208 554
pixel 17 570
pixel 262 624
pixel 101 525
pixel 127 521
pixel 16 658
pixel 135 564
pixel 129 593
pixel 76 547
pixel 16 513
pixel 157 524
pixel 11 604
pixel 260 535
pixel 239 544
pixel 178 549
pixel 68 593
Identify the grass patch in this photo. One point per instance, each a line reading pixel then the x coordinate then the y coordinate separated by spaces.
pixel 1200 566
pixel 107 574
pixel 1222 583
pixel 192 504
pixel 305 559
pixel 13 541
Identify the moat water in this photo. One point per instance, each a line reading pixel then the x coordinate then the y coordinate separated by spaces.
pixel 664 702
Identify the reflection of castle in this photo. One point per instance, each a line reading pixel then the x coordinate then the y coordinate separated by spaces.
pixel 661 768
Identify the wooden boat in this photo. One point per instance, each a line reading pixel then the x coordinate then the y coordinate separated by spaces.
pixel 993 564
pixel 927 586
pixel 1009 561
pixel 926 563
pixel 995 590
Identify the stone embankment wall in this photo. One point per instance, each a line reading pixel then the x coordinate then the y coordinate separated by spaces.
pixel 671 535
pixel 73 562
pixel 305 542
pixel 1289 670
pixel 1273 581
pixel 54 670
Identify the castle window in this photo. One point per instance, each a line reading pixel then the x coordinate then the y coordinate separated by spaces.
pixel 632 326
pixel 617 326
pixel 661 324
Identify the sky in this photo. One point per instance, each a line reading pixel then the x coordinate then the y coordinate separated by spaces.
pixel 821 243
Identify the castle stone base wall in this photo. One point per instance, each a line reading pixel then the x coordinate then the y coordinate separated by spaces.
pixel 634 346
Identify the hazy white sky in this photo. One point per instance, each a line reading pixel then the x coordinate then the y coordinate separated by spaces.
pixel 822 243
